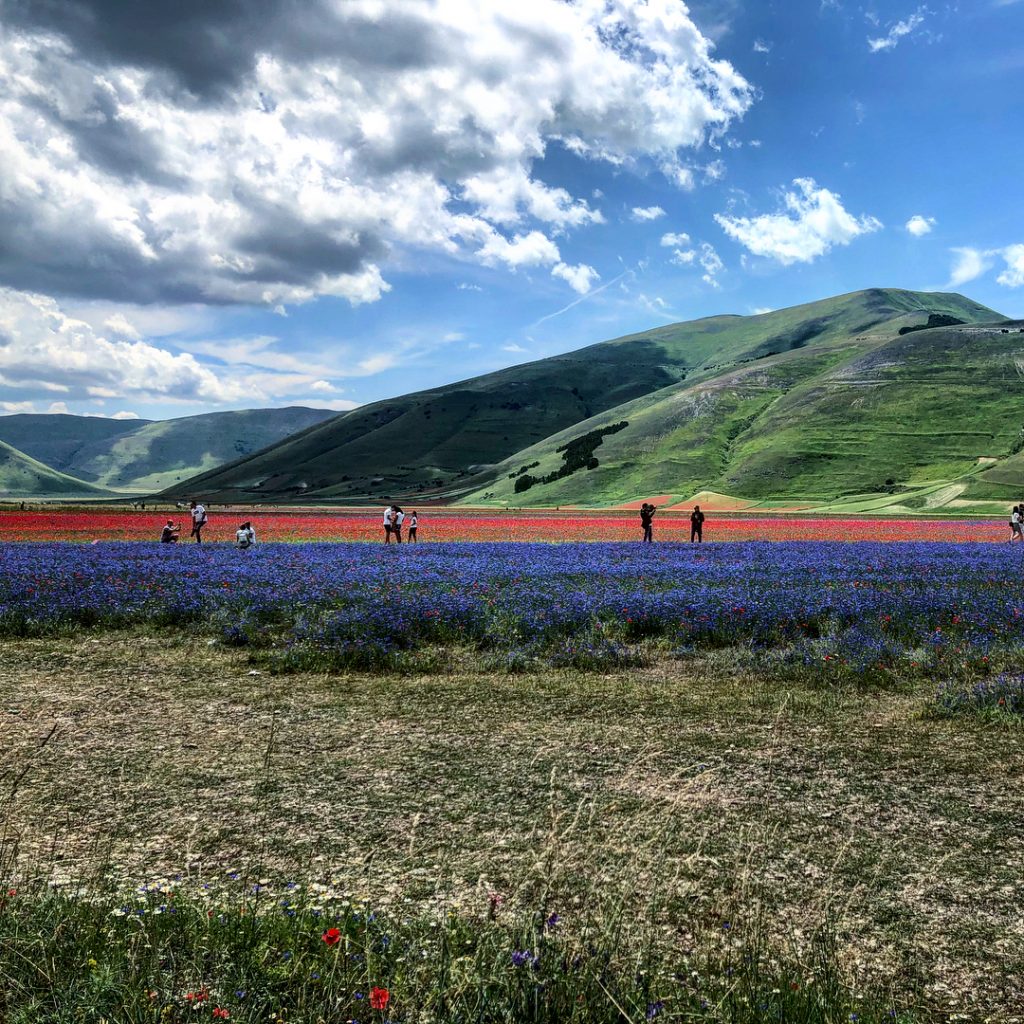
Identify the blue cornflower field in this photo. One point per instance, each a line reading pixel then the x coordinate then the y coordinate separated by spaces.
pixel 865 610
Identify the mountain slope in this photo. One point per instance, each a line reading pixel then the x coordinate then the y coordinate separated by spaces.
pixel 141 456
pixel 450 439
pixel 24 477
pixel 867 415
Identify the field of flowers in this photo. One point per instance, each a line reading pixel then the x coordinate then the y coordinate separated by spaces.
pixel 873 609
pixel 85 525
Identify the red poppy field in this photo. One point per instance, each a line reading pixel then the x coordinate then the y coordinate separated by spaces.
pixel 305 526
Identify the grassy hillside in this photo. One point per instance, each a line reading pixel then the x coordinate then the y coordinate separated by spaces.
pixel 867 415
pixel 465 436
pixel 141 456
pixel 24 477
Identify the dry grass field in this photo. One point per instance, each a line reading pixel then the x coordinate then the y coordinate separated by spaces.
pixel 169 754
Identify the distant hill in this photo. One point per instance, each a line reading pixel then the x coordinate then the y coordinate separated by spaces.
pixel 24 477
pixel 143 456
pixel 689 391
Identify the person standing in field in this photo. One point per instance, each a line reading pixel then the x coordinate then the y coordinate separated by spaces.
pixel 389 521
pixel 647 511
pixel 396 529
pixel 1016 531
pixel 245 536
pixel 697 525
pixel 413 523
pixel 198 512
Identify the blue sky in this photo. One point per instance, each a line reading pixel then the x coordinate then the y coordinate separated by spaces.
pixel 394 196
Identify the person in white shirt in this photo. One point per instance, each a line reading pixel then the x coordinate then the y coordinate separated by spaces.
pixel 396 529
pixel 389 523
pixel 245 536
pixel 1016 527
pixel 413 523
pixel 198 520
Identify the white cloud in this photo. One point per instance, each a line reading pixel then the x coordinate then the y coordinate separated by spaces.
pixel 1013 275
pixel 38 340
pixel 815 221
pixel 897 32
pixel 684 257
pixel 761 310
pixel 454 336
pixel 580 277
pixel 760 46
pixel 278 158
pixel 644 213
pixel 918 225
pixel 671 238
pixel 970 263
pixel 465 286
pixel 322 387
pixel 527 250
pixel 711 263
pixel 513 347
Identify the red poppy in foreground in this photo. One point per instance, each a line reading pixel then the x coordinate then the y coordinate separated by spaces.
pixel 379 998
pixel 332 936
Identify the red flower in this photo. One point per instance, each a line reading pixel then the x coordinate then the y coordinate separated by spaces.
pixel 220 1014
pixel 379 998
pixel 332 936
pixel 12 892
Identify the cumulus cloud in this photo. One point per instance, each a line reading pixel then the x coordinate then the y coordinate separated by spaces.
pixel 711 263
pixel 225 153
pixel 897 31
pixel 815 220
pixel 643 213
pixel 671 238
pixel 918 225
pixel 969 264
pixel 684 257
pixel 38 340
pixel 1013 275
pixel 580 277
pixel 45 349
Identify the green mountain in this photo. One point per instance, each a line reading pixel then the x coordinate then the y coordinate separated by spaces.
pixel 691 394
pixel 23 477
pixel 142 456
pixel 868 415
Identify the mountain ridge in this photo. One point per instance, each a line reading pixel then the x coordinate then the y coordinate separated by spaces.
pixel 449 442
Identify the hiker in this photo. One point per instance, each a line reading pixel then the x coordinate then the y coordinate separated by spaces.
pixel 198 512
pixel 413 523
pixel 169 534
pixel 389 522
pixel 245 536
pixel 647 511
pixel 697 525
pixel 1016 531
pixel 396 526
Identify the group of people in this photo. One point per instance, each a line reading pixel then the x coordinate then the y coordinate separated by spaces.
pixel 647 511
pixel 394 519
pixel 1017 523
pixel 245 535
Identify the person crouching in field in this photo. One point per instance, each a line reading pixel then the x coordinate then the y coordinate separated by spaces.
pixel 697 525
pixel 1016 527
pixel 169 534
pixel 413 523
pixel 647 511
pixel 198 512
pixel 245 536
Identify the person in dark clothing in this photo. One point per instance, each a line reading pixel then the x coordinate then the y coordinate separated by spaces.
pixel 647 521
pixel 169 534
pixel 697 525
